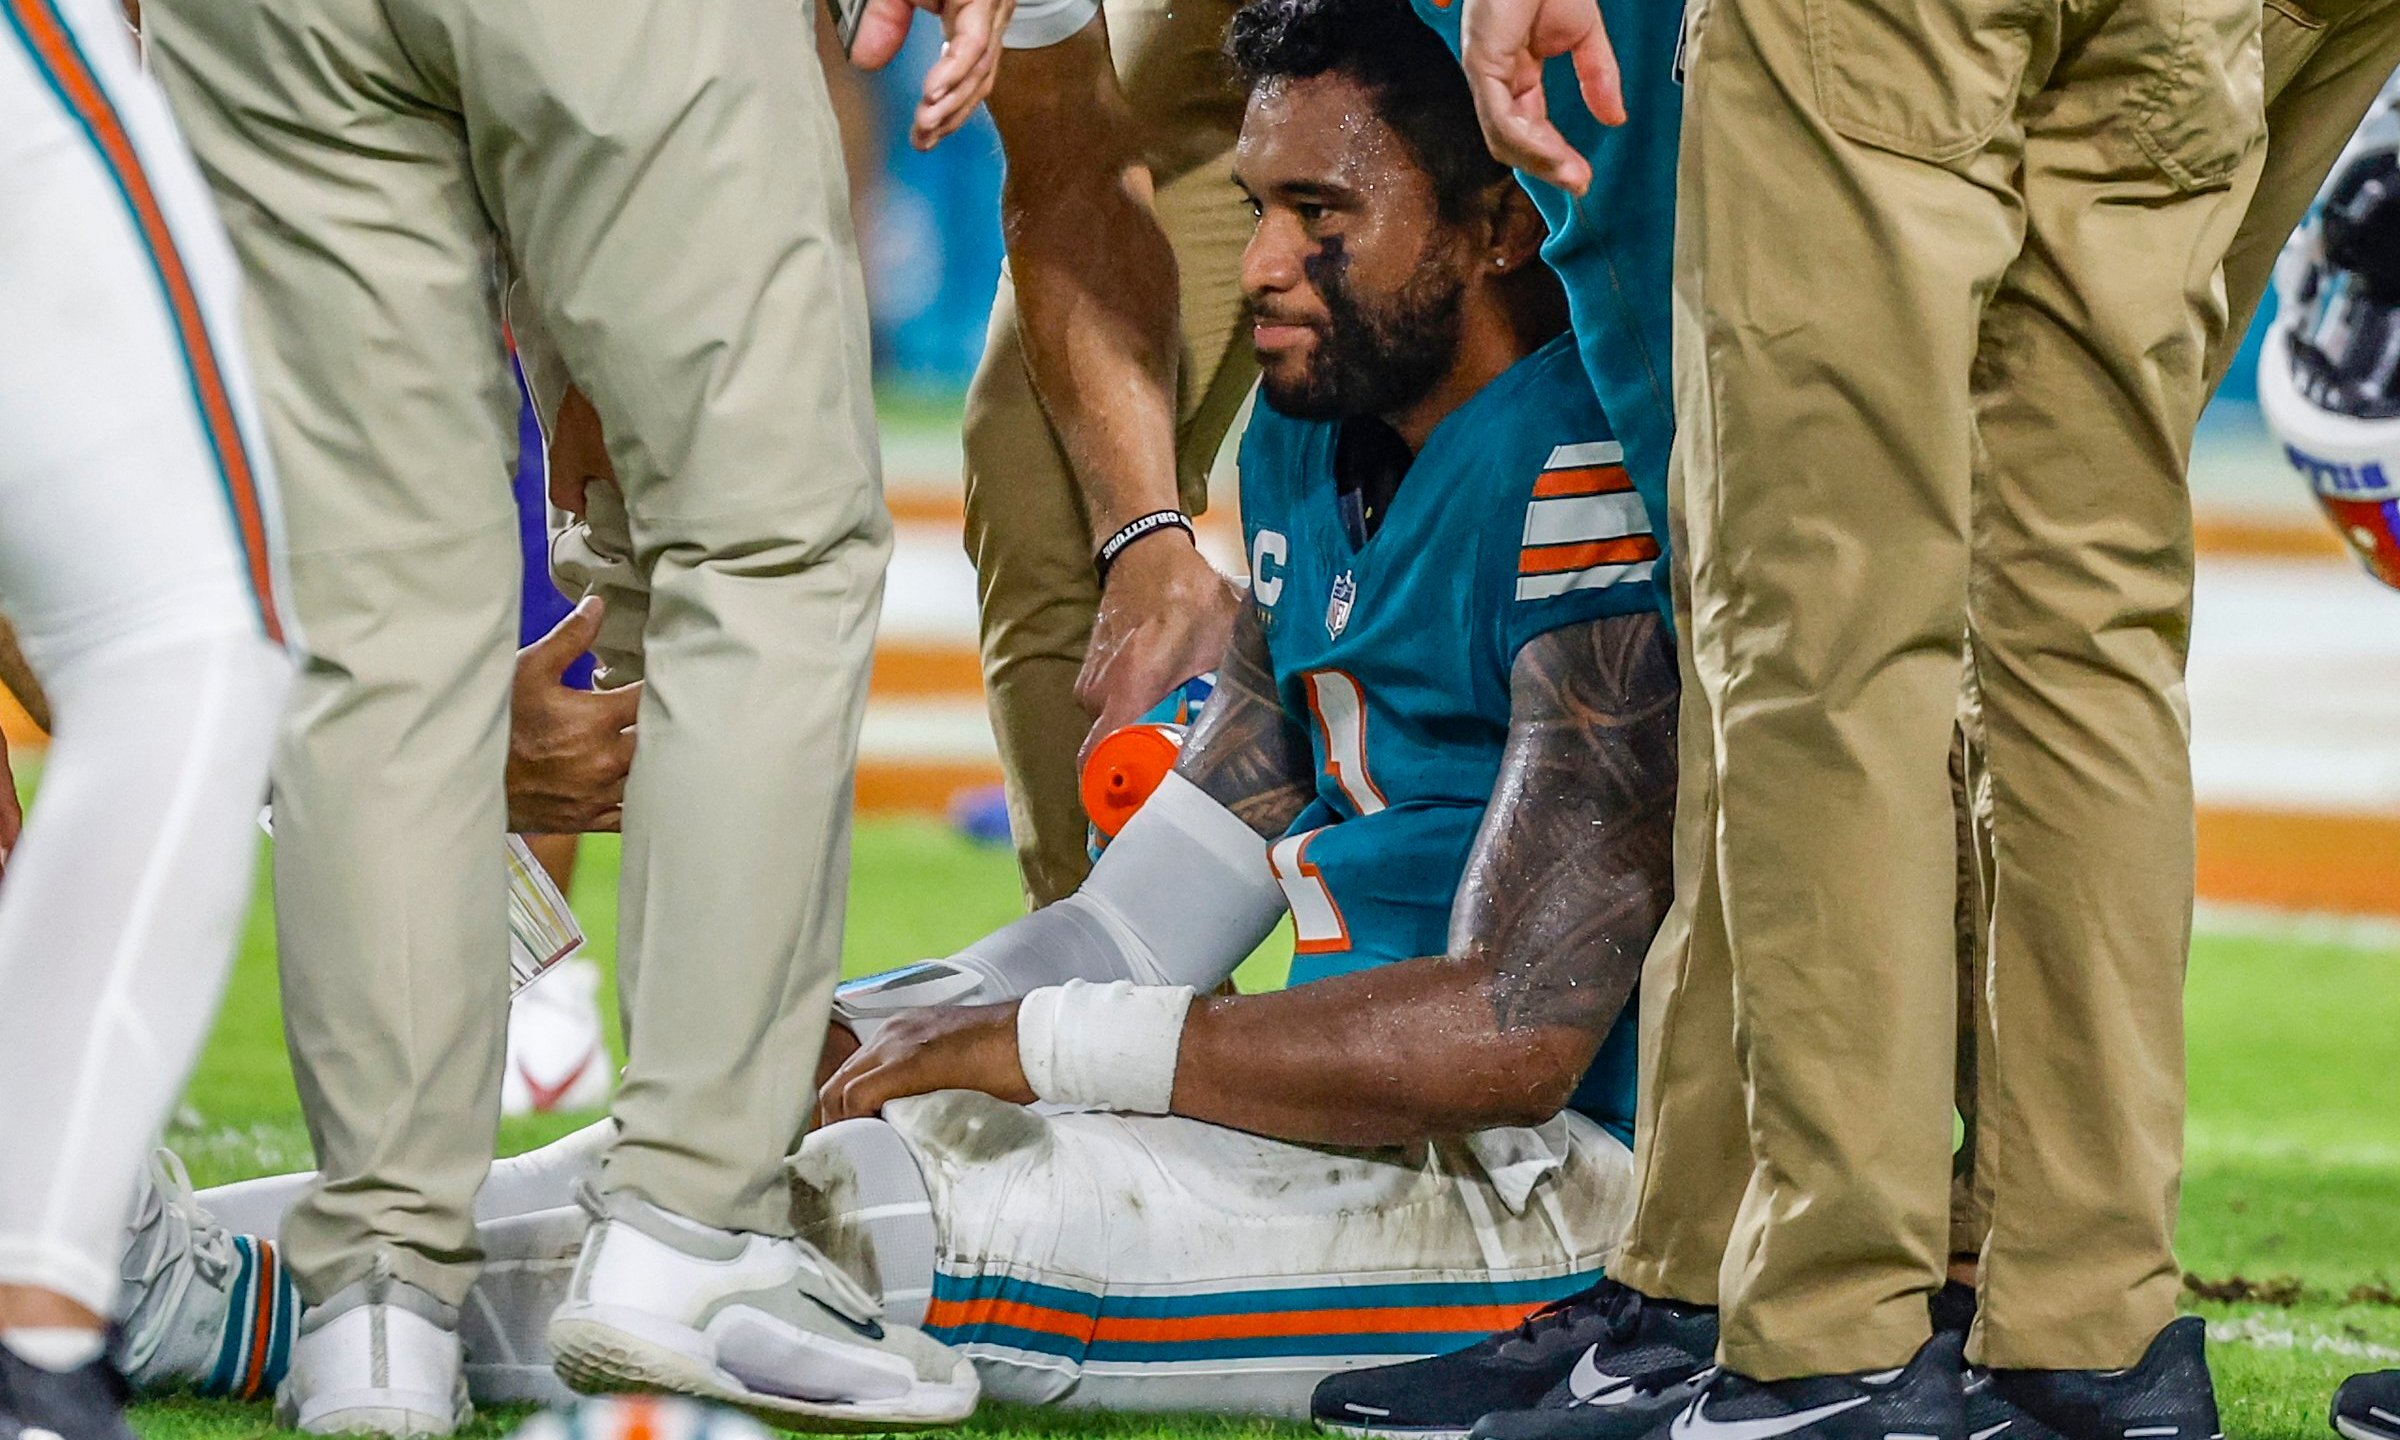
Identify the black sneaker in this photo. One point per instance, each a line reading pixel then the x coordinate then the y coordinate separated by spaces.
pixel 1610 1330
pixel 86 1403
pixel 1953 1306
pixel 1924 1400
pixel 1578 1409
pixel 2367 1407
pixel 2166 1397
pixel 1990 1417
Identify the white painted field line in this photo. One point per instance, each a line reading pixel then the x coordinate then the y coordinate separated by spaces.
pixel 2259 1332
pixel 2259 922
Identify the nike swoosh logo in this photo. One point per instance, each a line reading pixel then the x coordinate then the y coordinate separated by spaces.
pixel 1990 1430
pixel 546 1097
pixel 1694 1424
pixel 1588 1379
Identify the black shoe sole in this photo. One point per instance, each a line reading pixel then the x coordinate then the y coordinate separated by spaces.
pixel 2357 1429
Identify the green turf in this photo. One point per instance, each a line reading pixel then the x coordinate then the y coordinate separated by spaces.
pixel 2293 1194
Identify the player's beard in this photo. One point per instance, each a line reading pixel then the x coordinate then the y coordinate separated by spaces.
pixel 1374 357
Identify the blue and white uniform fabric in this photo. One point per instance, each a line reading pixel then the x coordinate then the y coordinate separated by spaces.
pixel 1615 247
pixel 1158 1263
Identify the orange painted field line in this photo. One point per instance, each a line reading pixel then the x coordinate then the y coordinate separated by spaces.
pixel 945 671
pixel 946 508
pixel 2293 860
pixel 2267 540
pixel 917 787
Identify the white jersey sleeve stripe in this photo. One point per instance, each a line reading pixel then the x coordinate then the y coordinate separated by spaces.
pixel 1566 457
pixel 1598 577
pixel 1576 518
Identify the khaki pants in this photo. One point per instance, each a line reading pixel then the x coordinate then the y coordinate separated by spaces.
pixel 2321 76
pixel 2325 61
pixel 1026 528
pixel 666 179
pixel 1992 440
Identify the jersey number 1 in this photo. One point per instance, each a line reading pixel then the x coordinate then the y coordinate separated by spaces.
pixel 1339 707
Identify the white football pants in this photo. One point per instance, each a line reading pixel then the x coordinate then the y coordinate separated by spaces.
pixel 137 560
pixel 1103 1261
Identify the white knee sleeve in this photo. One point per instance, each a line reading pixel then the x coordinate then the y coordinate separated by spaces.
pixel 117 925
pixel 858 1195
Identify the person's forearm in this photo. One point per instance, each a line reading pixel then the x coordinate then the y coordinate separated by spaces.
pixel 1390 1056
pixel 1096 299
pixel 1096 305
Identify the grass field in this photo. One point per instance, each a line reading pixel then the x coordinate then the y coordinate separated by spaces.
pixel 2291 1212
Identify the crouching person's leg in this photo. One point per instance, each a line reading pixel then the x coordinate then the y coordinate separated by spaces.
pixel 1135 1263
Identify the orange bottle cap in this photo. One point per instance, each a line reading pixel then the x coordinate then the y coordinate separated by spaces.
pixel 1126 766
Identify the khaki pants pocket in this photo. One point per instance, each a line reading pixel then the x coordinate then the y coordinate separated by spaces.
pixel 1930 79
pixel 2204 105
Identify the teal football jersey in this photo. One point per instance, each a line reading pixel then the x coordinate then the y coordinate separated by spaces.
pixel 1516 517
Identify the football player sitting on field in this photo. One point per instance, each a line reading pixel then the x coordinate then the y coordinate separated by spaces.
pixel 1443 740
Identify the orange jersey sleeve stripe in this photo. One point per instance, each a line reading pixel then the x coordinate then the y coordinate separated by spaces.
pixel 1587 480
pixel 71 77
pixel 1553 559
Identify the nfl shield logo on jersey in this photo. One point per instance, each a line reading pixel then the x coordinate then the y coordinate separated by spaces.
pixel 1337 609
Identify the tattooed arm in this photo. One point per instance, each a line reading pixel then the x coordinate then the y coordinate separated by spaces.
pixel 1246 753
pixel 1567 882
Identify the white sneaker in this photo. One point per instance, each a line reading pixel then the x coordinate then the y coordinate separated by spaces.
pixel 201 1309
pixel 661 1303
pixel 557 1047
pixel 380 1358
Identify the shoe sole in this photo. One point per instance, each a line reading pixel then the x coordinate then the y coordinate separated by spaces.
pixel 2360 1430
pixel 1393 1432
pixel 595 1358
pixel 355 1413
pixel 374 1420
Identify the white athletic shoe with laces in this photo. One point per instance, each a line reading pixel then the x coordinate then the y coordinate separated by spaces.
pixel 380 1358
pixel 201 1309
pixel 767 1324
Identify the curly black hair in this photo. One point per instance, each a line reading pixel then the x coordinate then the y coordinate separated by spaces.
pixel 1417 86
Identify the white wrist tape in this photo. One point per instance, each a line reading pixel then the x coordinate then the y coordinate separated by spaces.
pixel 1109 1046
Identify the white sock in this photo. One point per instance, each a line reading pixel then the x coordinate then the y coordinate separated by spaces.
pixel 56 1348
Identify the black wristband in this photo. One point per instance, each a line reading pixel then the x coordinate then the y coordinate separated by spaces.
pixel 1135 529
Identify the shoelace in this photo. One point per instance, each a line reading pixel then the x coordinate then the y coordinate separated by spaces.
pixel 173 1223
pixel 172 1242
pixel 1660 1381
pixel 842 1292
pixel 1619 1307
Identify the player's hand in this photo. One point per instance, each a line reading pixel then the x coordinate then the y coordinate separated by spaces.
pixel 967 1047
pixel 1165 616
pixel 960 79
pixel 568 750
pixel 841 1042
pixel 1504 45
pixel 578 454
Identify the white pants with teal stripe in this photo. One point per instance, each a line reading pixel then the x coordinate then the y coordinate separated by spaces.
pixel 139 565
pixel 1110 1261
pixel 1143 1263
